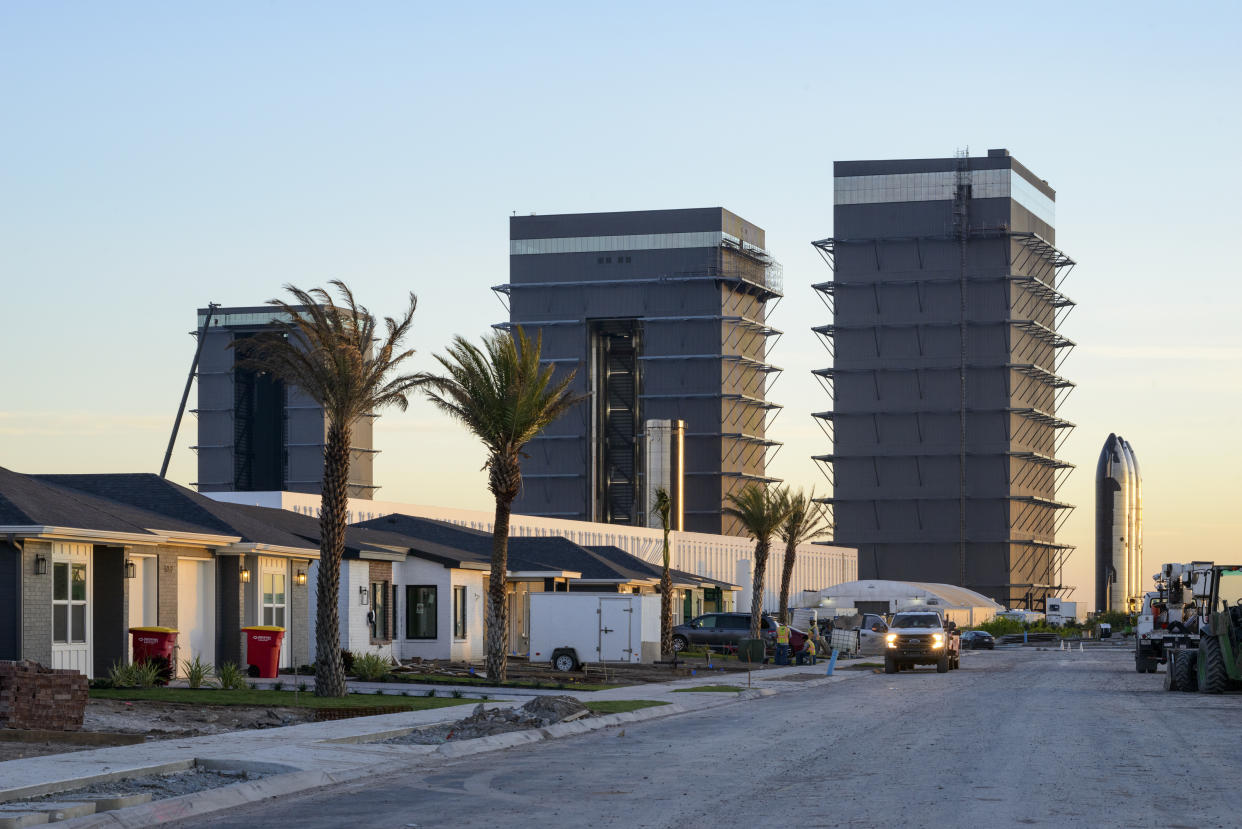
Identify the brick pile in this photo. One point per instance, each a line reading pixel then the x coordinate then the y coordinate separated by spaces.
pixel 32 696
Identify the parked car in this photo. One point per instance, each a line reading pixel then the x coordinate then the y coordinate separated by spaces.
pixel 978 639
pixel 724 630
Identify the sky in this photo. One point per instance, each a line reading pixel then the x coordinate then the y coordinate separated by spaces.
pixel 160 156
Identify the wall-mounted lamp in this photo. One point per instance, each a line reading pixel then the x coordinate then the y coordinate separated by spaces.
pixel 362 595
pixel 40 565
pixel 300 577
pixel 245 575
pixel 131 570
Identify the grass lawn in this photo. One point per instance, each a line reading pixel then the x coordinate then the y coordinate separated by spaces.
pixel 620 706
pixel 708 688
pixel 271 699
pixel 438 679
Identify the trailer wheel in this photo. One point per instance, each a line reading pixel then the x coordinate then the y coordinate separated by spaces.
pixel 1213 678
pixel 564 660
pixel 1170 678
pixel 679 644
pixel 1185 670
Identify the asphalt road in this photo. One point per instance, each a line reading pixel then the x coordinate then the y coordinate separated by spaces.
pixel 1039 738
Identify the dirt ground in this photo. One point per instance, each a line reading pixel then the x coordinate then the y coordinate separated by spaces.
pixel 159 721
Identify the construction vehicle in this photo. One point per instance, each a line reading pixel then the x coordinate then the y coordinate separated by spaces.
pixel 1219 663
pixel 1172 638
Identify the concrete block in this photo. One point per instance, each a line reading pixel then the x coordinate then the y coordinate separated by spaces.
pixel 56 810
pixel 21 820
pixel 124 801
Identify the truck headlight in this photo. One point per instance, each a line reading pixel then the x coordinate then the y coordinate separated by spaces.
pixel 891 640
pixel 937 640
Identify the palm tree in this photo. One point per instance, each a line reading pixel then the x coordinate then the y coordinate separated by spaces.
pixel 761 511
pixel 806 520
pixel 502 394
pixel 664 506
pixel 332 353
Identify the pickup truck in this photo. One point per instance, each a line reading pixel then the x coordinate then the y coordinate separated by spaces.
pixel 921 637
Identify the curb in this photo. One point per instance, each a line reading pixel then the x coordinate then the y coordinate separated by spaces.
pixel 197 804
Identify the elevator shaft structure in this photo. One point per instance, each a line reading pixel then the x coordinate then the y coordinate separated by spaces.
pixel 945 386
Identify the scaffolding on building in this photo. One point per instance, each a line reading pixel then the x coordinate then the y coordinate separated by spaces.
pixel 1036 270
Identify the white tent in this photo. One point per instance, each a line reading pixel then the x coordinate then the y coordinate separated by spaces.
pixel 966 607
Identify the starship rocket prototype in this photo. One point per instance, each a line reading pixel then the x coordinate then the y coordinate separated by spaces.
pixel 1118 526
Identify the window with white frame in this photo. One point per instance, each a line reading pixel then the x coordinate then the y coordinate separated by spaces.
pixel 274 599
pixel 68 602
pixel 459 612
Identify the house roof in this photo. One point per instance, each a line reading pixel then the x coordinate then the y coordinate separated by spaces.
pixel 620 556
pixel 27 501
pixel 454 545
pixel 170 507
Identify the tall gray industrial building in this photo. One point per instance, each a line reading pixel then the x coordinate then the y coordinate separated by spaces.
pixel 664 315
pixel 254 433
pixel 945 381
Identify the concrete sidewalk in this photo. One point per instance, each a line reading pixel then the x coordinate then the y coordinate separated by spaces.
pixel 315 754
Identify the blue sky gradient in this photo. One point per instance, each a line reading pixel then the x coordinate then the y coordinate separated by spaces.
pixel 159 156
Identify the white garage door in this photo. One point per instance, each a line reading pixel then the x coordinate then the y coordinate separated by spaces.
pixel 196 606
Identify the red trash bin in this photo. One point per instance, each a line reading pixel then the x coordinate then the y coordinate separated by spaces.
pixel 156 644
pixel 263 649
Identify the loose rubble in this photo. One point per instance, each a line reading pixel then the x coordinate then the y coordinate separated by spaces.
pixel 159 786
pixel 486 722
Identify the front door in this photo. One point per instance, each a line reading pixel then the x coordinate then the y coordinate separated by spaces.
pixel 274 599
pixel 71 600
pixel 614 630
pixel 196 616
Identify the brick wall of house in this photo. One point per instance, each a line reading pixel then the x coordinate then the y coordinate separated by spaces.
pixel 381 571
pixel 36 620
pixel 299 614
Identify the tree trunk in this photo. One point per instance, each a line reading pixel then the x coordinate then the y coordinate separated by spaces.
pixel 756 587
pixel 791 552
pixel 666 603
pixel 329 670
pixel 497 644
pixel 504 479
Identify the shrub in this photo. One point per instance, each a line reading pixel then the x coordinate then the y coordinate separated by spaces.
pixel 196 672
pixel 277 685
pixel 302 687
pixel 347 659
pixel 456 694
pixel 371 667
pixel 230 677
pixel 135 675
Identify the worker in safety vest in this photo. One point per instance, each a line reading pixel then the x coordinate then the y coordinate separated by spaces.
pixel 782 644
pixel 806 656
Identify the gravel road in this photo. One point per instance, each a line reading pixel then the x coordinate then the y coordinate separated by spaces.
pixel 1017 737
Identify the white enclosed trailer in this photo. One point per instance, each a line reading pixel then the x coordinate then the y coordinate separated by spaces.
pixel 596 627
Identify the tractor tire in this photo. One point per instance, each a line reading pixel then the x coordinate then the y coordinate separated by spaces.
pixel 1213 677
pixel 890 665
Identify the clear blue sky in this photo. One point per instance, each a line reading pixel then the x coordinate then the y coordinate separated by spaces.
pixel 159 156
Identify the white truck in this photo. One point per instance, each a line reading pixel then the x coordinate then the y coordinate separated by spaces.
pixel 574 629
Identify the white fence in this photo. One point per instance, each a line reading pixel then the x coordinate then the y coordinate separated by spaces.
pixel 723 557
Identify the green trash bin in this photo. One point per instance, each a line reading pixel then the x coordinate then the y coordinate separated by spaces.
pixel 751 650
